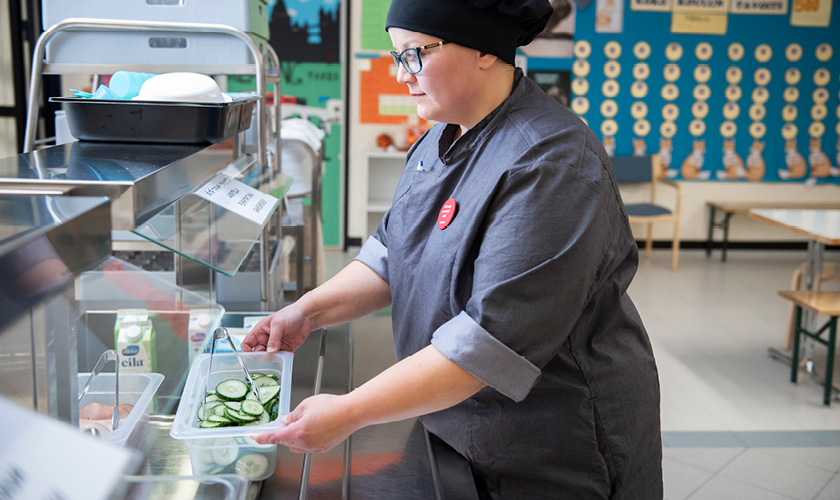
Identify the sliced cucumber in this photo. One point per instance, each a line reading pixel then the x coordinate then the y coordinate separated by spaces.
pixel 265 381
pixel 268 393
pixel 252 467
pixel 252 408
pixel 225 451
pixel 235 402
pixel 232 390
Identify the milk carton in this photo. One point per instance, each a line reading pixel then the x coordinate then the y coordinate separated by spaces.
pixel 199 329
pixel 136 344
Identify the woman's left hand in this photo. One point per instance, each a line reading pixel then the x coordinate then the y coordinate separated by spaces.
pixel 318 424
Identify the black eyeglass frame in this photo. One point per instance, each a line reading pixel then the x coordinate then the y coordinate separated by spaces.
pixel 400 58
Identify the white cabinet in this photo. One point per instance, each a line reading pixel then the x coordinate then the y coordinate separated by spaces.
pixel 382 173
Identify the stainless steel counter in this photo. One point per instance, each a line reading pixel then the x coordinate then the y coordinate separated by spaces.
pixel 390 461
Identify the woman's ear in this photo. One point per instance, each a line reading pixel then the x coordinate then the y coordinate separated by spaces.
pixel 486 60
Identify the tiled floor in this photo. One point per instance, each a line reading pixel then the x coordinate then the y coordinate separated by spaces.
pixel 734 427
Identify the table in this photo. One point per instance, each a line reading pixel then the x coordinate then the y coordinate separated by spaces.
pixel 821 227
pixel 730 208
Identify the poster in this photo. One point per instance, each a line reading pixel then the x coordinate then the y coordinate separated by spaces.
pixel 609 16
pixel 812 13
pixel 556 39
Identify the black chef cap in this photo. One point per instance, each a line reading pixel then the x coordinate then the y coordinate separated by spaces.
pixel 494 26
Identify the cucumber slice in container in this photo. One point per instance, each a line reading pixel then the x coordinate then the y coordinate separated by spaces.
pixel 252 408
pixel 232 390
pixel 225 451
pixel 252 467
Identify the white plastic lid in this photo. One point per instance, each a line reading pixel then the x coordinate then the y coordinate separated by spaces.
pixel 133 333
pixel 203 320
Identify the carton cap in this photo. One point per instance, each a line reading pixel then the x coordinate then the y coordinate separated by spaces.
pixel 133 333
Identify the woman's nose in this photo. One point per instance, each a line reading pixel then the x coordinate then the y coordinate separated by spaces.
pixel 403 76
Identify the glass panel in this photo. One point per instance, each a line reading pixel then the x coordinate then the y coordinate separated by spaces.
pixel 205 232
pixel 182 321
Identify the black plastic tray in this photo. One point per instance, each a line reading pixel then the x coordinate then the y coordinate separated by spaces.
pixel 153 121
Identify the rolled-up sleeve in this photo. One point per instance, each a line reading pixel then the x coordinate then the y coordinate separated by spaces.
pixel 465 342
pixel 375 255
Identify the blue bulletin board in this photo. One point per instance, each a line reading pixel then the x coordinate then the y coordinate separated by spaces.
pixel 759 102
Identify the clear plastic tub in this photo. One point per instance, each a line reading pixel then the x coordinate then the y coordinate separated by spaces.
pixel 136 389
pixel 227 450
pixel 218 487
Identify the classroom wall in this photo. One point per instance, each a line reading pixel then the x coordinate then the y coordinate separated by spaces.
pixel 780 180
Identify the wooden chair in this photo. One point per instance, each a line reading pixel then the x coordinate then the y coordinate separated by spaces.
pixel 830 272
pixel 648 170
pixel 821 304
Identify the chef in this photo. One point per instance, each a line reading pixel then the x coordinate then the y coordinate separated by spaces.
pixel 506 258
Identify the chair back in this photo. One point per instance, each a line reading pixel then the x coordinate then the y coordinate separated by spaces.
pixel 632 169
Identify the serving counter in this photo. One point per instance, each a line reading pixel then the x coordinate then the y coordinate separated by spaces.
pixel 64 210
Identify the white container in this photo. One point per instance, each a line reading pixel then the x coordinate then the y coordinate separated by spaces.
pixel 225 450
pixel 250 16
pixel 156 47
pixel 136 389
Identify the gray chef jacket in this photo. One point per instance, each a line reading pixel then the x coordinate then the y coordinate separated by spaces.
pixel 526 289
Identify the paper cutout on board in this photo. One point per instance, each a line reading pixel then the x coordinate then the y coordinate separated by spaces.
pixel 762 7
pixel 698 23
pixel 793 52
pixel 386 100
pixel 795 166
pixel 641 50
pixel 817 160
pixel 651 5
pixel 733 165
pixel 824 52
pixel 755 162
pixel 692 166
pixel 812 13
pixel 706 6
pixel 609 16
pixel 639 146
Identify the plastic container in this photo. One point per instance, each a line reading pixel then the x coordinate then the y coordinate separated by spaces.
pixel 156 47
pixel 226 450
pixel 136 389
pixel 158 122
pixel 218 487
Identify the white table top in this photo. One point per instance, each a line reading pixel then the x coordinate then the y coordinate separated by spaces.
pixel 819 225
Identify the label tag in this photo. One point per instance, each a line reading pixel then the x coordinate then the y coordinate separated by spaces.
pixel 447 213
pixel 239 198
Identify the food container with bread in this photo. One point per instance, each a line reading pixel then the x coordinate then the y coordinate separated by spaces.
pixel 221 410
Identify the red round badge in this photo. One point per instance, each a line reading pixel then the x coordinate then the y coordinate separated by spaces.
pixel 447 213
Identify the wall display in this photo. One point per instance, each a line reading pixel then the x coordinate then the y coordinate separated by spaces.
pixel 306 36
pixel 812 13
pixel 610 89
pixel 761 7
pixel 610 16
pixel 728 119
pixel 651 5
pixel 818 162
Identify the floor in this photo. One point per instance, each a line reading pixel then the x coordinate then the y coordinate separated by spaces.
pixel 734 427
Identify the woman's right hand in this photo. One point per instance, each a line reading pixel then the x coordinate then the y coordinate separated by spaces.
pixel 284 330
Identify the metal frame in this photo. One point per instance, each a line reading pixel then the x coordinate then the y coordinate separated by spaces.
pixel 39 67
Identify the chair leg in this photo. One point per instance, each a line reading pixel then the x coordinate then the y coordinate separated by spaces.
pixel 794 356
pixel 795 284
pixel 829 362
pixel 649 241
pixel 675 246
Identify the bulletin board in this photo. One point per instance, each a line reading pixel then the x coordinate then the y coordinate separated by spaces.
pixel 723 96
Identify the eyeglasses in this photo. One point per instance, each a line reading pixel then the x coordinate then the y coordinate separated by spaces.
pixel 410 58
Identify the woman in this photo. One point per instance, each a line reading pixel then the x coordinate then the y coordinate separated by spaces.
pixel 506 257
